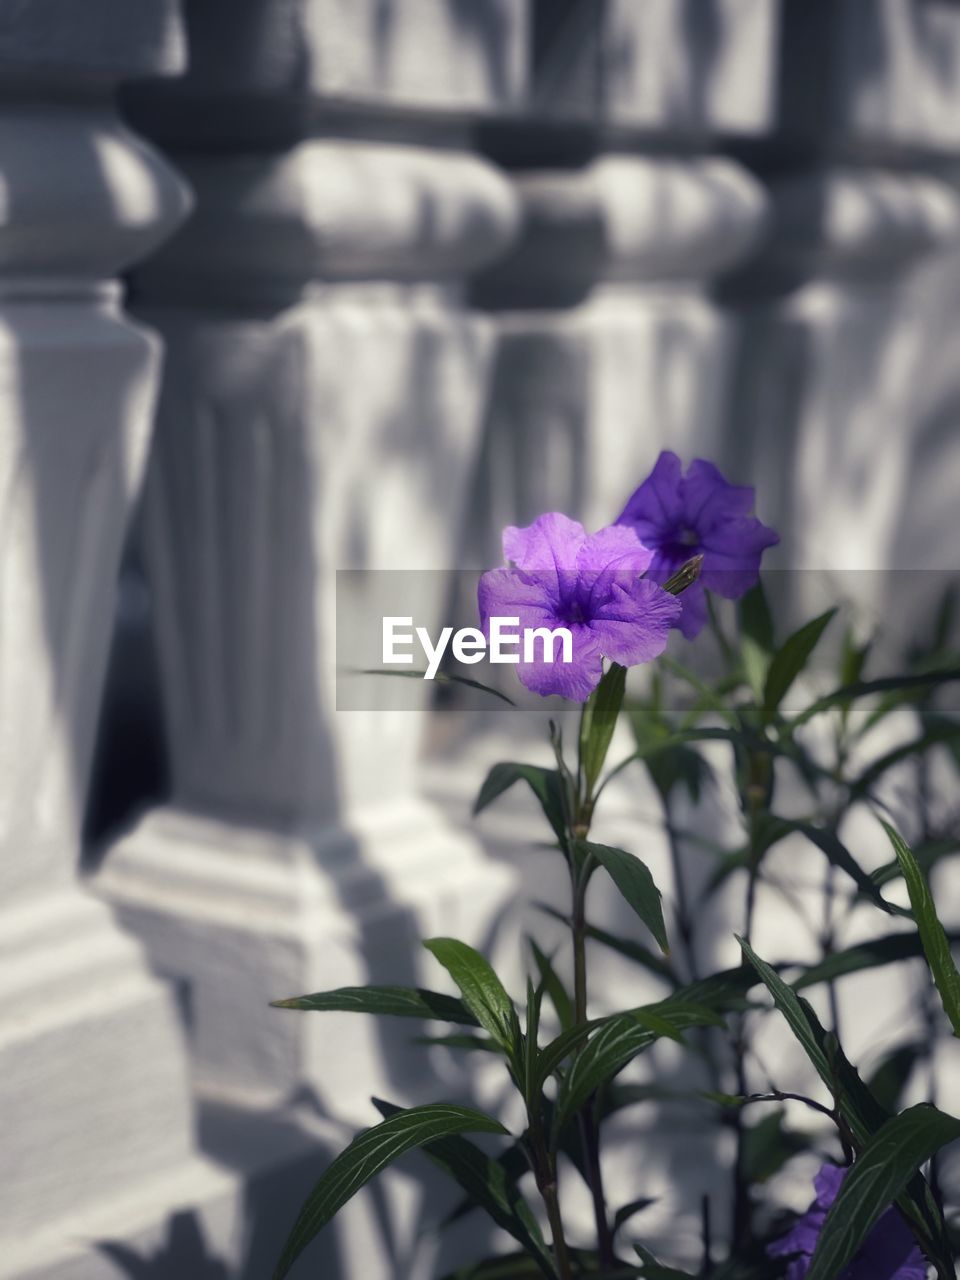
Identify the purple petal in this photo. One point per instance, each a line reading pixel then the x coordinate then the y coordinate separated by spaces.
pixel 507 593
pixel 827 1184
pixel 732 554
pixel 889 1252
pixel 617 547
pixel 693 615
pixel 655 510
pixel 553 541
pixel 709 499
pixel 575 680
pixel 633 624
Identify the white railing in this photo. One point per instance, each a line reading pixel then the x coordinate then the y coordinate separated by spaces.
pixel 449 264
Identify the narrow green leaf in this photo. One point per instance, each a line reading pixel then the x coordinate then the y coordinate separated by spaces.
pixel 471 1044
pixel 482 991
pixel 890 949
pixel 767 1146
pixel 837 852
pixel 789 661
pixel 531 1084
pixel 633 879
pixel 793 1009
pixel 756 620
pixel 598 722
pixel 488 1186
pixel 935 945
pixel 627 1211
pixel 653 1270
pixel 859 1109
pixel 883 1169
pixel 399 1002
pixel 756 638
pixel 370 1152
pixel 866 688
pixel 546 785
pixel 618 1041
pixel 504 1266
pixel 440 677
pixel 559 996
pixel 889 1078
pixel 940 731
pixel 626 947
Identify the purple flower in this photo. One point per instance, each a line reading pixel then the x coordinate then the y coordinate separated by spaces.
pixel 589 584
pixel 888 1253
pixel 699 513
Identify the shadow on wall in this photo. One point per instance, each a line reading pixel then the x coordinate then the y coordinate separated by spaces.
pixel 184 1253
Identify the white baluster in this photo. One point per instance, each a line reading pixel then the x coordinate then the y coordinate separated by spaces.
pixel 94 1099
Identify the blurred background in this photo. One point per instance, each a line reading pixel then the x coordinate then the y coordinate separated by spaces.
pixel 293 286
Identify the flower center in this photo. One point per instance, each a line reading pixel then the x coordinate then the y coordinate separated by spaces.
pixel 573 612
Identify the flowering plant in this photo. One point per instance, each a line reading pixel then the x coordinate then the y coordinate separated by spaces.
pixel 681 541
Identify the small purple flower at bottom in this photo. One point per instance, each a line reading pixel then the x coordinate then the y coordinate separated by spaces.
pixel 699 513
pixel 888 1253
pixel 589 584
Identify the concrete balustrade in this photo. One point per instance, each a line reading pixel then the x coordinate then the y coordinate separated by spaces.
pixel 446 264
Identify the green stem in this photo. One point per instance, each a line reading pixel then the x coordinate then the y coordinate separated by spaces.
pixel 548 1192
pixel 741 1192
pixel 545 1173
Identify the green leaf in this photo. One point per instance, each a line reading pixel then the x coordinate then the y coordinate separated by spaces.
pixel 488 1185
pixel 883 1169
pixel 709 697
pixel 560 1048
pixel 516 1266
pixel 531 1083
pixel 789 661
pixel 633 879
pixel 837 852
pixel 559 996
pixel 866 688
pixel 890 1076
pixel 890 949
pixel 860 1111
pixel 722 992
pixel 940 731
pixel 482 991
pixel 756 638
pixel 399 1002
pixel 504 1266
pixel 767 1146
pixel 598 722
pixel 370 1152
pixel 935 945
pixel 618 1041
pixel 653 1270
pixel 626 947
pixel 440 677
pixel 482 1044
pixel 627 1211
pixel 793 1009
pixel 546 785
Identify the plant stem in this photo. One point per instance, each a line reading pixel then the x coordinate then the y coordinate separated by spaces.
pixel 548 1191
pixel 741 1191
pixel 545 1173
pixel 587 1119
pixel 684 918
